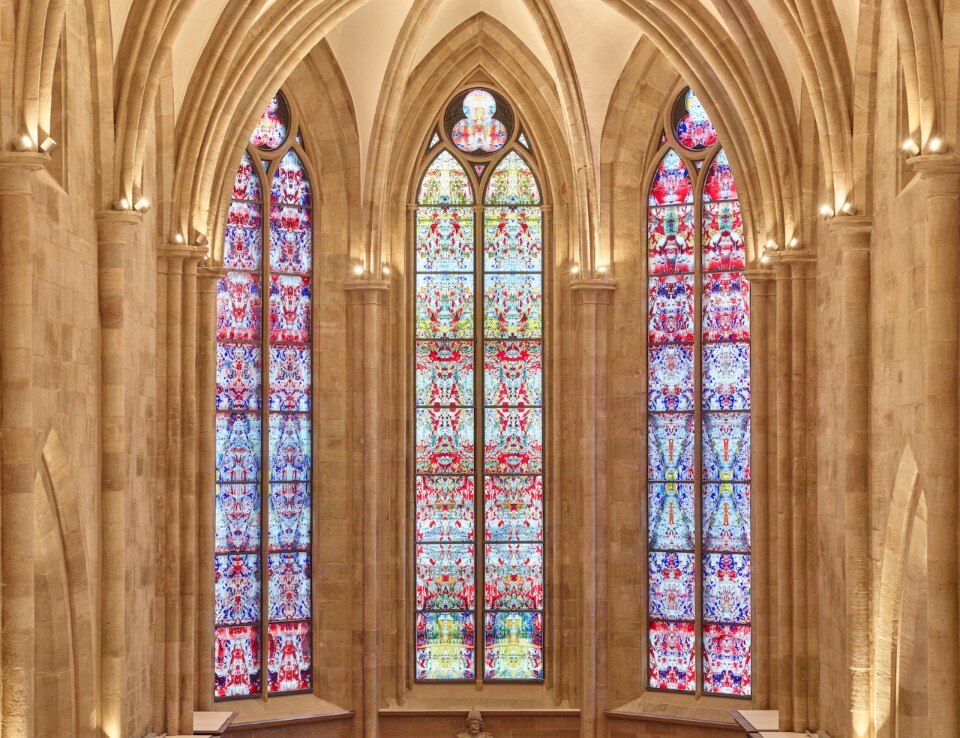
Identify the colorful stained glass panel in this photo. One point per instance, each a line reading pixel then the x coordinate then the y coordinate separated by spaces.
pixel 237 586
pixel 513 306
pixel 726 307
pixel 238 307
pixel 513 239
pixel 671 586
pixel 291 185
pixel 693 128
pixel 289 660
pixel 445 509
pixel 670 447
pixel 726 660
pixel 514 645
pixel 670 524
pixel 272 128
pixel 445 183
pixel 670 377
pixel 723 245
pixel 445 239
pixel 670 305
pixel 444 306
pixel 480 129
pixel 237 661
pixel 290 448
pixel 289 516
pixel 726 517
pixel 726 588
pixel 670 240
pixel 291 240
pixel 726 447
pixel 246 185
pixel 514 441
pixel 237 518
pixel 720 184
pixel 513 576
pixel 444 373
pixel 238 447
pixel 290 372
pixel 243 237
pixel 289 309
pixel 445 576
pixel 513 508
pixel 445 442
pixel 289 586
pixel 446 646
pixel 238 377
pixel 513 373
pixel 512 183
pixel 671 182
pixel 672 656
pixel 726 376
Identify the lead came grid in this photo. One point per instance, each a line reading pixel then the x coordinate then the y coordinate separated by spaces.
pixel 449 381
pixel 712 394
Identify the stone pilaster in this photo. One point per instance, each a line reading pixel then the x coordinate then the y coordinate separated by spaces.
pixel 764 583
pixel 178 267
pixel 940 352
pixel 852 237
pixel 206 484
pixel 19 440
pixel 118 236
pixel 591 298
pixel 366 317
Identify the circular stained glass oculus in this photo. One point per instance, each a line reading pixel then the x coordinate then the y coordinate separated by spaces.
pixel 691 124
pixel 272 129
pixel 479 120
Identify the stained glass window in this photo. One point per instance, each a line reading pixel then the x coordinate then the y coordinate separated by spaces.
pixel 479 407
pixel 698 416
pixel 263 425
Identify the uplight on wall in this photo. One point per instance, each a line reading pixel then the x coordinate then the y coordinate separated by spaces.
pixel 122 204
pixel 48 145
pixel 574 269
pixel 826 211
pixel 909 148
pixel 24 143
pixel 142 206
pixel 358 270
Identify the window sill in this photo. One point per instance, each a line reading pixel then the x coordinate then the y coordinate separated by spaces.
pixel 282 711
pixel 680 709
pixel 487 711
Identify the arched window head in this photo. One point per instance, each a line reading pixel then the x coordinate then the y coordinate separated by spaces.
pixel 698 415
pixel 263 535
pixel 478 399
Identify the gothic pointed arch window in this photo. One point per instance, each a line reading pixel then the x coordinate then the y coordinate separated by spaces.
pixel 698 415
pixel 478 398
pixel 264 456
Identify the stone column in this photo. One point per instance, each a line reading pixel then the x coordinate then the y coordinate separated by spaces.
pixel 366 316
pixel 117 235
pixel 591 298
pixel 761 360
pixel 179 572
pixel 851 235
pixel 207 278
pixel 19 440
pixel 940 258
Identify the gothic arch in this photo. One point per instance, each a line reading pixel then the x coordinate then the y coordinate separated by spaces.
pixel 907 506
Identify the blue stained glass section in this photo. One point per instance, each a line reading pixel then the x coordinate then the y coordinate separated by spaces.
pixel 289 586
pixel 670 446
pixel 237 588
pixel 671 595
pixel 726 517
pixel 670 511
pixel 726 376
pixel 289 516
pixel 290 378
pixel 290 450
pixel 726 588
pixel 237 518
pixel 726 447
pixel 238 447
pixel 670 378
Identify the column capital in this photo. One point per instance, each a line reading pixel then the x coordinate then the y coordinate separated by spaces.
pixel 211 272
pixel 929 166
pixel 15 164
pixel 596 291
pixel 113 225
pixel 181 251
pixel 844 224
pixel 367 291
pixel 756 274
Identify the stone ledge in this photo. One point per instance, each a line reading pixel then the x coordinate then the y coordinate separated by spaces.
pixel 487 712
pixel 283 711
pixel 671 720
